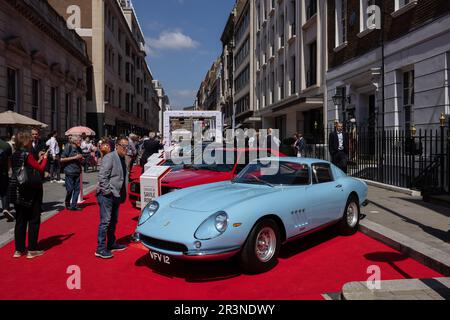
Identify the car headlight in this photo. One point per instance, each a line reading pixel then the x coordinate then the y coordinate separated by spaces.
pixel 148 212
pixel 212 227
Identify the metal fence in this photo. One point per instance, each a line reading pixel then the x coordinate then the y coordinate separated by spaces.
pixel 416 160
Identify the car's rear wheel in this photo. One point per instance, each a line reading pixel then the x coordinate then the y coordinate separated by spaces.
pixel 350 221
pixel 260 252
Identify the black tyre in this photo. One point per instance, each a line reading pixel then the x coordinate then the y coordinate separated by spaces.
pixel 260 252
pixel 350 220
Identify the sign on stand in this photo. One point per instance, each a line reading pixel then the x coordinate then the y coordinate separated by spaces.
pixel 154 160
pixel 151 184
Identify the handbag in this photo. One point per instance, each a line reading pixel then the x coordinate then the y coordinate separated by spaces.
pixel 27 176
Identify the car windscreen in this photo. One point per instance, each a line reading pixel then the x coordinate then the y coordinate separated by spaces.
pixel 288 173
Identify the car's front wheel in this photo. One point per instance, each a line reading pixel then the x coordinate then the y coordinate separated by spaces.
pixel 350 220
pixel 260 252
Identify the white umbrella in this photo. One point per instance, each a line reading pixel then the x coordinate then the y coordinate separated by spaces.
pixel 13 119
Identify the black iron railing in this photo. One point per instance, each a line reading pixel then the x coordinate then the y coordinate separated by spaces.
pixel 416 160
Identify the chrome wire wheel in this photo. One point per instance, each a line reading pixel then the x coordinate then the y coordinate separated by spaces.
pixel 266 244
pixel 352 214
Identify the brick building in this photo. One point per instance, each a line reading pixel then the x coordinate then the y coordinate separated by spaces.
pixel 416 59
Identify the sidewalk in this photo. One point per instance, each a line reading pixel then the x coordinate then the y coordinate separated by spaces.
pixel 54 194
pixel 418 229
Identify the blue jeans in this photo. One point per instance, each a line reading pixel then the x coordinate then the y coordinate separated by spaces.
pixel 73 190
pixel 109 215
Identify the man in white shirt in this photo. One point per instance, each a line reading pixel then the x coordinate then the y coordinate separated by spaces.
pixel 339 146
pixel 54 151
pixel 86 148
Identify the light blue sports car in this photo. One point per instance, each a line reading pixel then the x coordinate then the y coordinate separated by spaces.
pixel 252 215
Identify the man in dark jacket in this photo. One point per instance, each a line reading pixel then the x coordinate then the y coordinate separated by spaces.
pixel 151 146
pixel 72 159
pixel 338 147
pixel 5 156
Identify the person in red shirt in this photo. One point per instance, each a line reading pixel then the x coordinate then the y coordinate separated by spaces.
pixel 27 199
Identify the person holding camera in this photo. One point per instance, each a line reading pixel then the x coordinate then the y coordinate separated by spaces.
pixel 25 193
pixel 72 160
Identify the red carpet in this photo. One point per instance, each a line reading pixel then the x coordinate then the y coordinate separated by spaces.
pixel 308 268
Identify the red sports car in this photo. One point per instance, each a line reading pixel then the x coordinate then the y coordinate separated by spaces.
pixel 199 174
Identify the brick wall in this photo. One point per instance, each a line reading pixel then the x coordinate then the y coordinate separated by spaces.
pixel 424 12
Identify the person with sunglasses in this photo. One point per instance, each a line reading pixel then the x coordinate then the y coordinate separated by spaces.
pixel 111 193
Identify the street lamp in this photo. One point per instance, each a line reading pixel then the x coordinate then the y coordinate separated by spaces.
pixel 338 99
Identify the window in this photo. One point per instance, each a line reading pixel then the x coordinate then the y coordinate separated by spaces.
pixel 79 101
pixel 12 84
pixel 272 88
pixel 120 99
pixel 321 173
pixel 408 99
pixel 365 13
pixel 127 102
pixel 401 3
pixel 311 8
pixel 242 79
pixel 54 109
pixel 242 53
pixel 341 22
pixel 281 82
pixel 35 98
pixel 68 110
pixel 243 105
pixel 127 72
pixel 281 31
pixel 293 75
pixel 243 27
pixel 293 24
pixel 119 66
pixel 312 65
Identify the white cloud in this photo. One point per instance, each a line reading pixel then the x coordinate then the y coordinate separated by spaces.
pixel 171 40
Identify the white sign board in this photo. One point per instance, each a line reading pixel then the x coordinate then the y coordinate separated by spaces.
pixel 154 160
pixel 151 184
pixel 217 115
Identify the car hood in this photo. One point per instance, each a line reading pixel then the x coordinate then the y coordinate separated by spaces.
pixel 187 178
pixel 219 196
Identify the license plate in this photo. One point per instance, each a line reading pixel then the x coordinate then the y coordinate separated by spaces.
pixel 159 257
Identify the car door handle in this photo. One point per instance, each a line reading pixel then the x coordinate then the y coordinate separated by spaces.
pixel 339 186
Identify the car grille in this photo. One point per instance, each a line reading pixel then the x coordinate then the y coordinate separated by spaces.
pixel 163 245
pixel 135 187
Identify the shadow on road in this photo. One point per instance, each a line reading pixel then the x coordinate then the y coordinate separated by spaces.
pixel 54 241
pixel 437 233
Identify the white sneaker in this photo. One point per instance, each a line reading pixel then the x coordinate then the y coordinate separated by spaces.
pixel 60 181
pixel 8 215
pixel 52 181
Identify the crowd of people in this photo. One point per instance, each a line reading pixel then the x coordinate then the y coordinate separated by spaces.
pixel 27 162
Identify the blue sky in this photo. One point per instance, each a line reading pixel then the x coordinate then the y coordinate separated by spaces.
pixel 183 40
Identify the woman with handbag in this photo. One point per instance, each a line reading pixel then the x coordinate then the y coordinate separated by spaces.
pixel 25 193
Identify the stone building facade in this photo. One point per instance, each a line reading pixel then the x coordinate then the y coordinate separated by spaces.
pixel 42 65
pixel 116 102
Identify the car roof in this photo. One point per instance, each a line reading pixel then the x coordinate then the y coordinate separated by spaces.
pixel 308 161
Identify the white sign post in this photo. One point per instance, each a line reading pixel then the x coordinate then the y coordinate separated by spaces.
pixel 151 184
